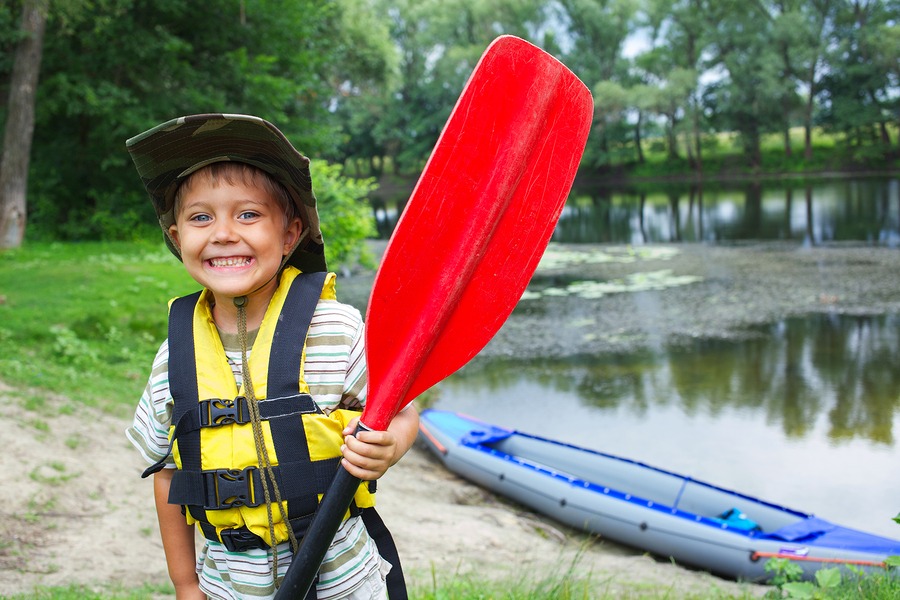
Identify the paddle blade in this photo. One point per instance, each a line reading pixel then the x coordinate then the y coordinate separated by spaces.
pixel 477 223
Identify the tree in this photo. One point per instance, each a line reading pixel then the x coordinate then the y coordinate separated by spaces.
pixel 818 18
pixel 17 137
pixel 748 99
pixel 439 43
pixel 857 93
pixel 595 33
pixel 675 64
pixel 113 68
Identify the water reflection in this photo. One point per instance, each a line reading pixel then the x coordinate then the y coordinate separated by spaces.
pixel 866 210
pixel 837 210
pixel 787 374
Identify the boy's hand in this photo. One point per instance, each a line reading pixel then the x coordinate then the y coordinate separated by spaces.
pixel 369 454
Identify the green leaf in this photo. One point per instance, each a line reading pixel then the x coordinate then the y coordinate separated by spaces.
pixel 828 578
pixel 892 561
pixel 801 590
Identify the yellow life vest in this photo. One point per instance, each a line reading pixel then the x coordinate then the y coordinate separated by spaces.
pixel 218 477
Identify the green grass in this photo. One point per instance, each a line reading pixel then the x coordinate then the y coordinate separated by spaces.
pixel 723 155
pixel 570 585
pixel 85 320
pixel 77 592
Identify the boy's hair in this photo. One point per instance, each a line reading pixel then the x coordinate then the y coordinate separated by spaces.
pixel 230 172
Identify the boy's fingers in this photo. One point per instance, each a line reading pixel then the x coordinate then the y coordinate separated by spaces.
pixel 367 448
pixel 363 468
pixel 380 438
pixel 351 426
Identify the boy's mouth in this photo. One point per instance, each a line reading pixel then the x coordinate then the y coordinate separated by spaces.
pixel 231 261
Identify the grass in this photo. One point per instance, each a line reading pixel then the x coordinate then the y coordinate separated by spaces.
pixel 85 320
pixel 77 592
pixel 566 585
pixel 723 156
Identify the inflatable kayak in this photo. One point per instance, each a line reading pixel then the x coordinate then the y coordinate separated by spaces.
pixel 674 516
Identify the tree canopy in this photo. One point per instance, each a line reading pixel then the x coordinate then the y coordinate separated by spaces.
pixel 369 83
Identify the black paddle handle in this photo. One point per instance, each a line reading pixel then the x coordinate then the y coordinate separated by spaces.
pixel 315 543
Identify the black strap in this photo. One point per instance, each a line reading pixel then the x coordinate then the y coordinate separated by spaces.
pixel 224 488
pixel 216 412
pixel 290 335
pixel 182 377
pixel 378 531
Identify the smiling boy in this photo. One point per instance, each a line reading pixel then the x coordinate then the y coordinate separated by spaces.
pixel 253 398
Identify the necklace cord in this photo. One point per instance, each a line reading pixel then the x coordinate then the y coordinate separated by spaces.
pixel 267 473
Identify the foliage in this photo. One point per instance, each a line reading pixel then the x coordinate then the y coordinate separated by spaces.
pixel 826 579
pixel 439 43
pixel 114 68
pixel 346 219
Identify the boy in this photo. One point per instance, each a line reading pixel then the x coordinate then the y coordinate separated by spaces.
pixel 245 415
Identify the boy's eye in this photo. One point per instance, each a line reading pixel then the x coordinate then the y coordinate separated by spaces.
pixel 201 218
pixel 248 214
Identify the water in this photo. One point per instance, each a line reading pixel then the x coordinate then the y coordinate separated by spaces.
pixel 802 412
pixel 862 209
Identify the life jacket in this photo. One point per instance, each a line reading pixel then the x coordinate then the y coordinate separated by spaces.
pixel 217 481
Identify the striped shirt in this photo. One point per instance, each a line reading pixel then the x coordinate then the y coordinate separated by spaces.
pixel 335 371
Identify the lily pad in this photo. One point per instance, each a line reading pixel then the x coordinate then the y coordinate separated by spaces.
pixel 636 282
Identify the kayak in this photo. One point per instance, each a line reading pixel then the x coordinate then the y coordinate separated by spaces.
pixel 674 516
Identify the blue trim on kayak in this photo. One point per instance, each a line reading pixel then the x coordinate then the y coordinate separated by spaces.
pixel 620 495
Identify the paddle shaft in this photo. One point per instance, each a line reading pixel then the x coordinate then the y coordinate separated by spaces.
pixel 305 564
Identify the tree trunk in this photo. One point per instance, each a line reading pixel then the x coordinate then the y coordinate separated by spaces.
pixel 698 139
pixel 787 141
pixel 20 124
pixel 885 135
pixel 672 139
pixel 637 138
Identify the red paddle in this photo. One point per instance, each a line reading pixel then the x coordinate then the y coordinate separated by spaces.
pixel 466 246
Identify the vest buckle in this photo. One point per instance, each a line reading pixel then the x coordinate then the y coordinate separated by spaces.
pixel 241 539
pixel 227 488
pixel 216 412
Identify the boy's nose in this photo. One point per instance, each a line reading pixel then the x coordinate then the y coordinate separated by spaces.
pixel 224 231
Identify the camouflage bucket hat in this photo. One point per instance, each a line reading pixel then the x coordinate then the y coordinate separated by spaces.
pixel 167 154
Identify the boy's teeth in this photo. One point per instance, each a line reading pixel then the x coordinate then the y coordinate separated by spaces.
pixel 229 262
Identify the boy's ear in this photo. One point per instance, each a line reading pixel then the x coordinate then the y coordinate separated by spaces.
pixel 291 235
pixel 173 235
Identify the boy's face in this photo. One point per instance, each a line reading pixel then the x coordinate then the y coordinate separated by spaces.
pixel 232 238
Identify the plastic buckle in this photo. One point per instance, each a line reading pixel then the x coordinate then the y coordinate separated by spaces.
pixel 231 487
pixel 216 412
pixel 241 540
